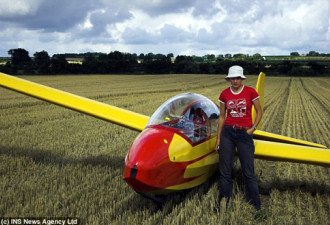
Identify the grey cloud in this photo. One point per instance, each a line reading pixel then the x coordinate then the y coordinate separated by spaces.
pixel 206 8
pixel 249 11
pixel 238 7
pixel 243 24
pixel 138 36
pixel 100 20
pixel 218 39
pixel 170 33
pixel 156 8
pixel 15 8
pixel 55 15
pixel 110 16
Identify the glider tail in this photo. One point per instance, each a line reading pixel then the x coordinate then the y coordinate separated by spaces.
pixel 260 88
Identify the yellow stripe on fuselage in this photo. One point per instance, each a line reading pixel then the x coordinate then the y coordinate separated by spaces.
pixel 180 150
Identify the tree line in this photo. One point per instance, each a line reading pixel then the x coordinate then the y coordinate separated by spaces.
pixel 126 63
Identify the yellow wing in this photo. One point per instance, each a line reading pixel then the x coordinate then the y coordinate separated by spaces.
pixel 266 136
pixel 268 146
pixel 100 110
pixel 260 88
pixel 291 153
pixel 281 148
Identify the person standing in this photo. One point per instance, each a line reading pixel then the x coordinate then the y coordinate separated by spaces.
pixel 235 129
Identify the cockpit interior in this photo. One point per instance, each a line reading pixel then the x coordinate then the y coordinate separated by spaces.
pixel 191 115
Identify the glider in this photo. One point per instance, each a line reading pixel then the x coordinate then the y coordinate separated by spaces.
pixel 175 149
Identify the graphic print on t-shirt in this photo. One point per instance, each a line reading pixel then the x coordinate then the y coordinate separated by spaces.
pixel 237 107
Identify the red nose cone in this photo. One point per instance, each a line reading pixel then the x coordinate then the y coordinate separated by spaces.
pixel 147 162
pixel 148 167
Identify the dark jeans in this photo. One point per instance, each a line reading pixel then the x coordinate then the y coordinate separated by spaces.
pixel 231 139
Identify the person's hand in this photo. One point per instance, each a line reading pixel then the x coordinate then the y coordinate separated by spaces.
pixel 217 146
pixel 250 131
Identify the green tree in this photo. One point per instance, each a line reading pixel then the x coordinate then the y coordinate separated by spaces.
pixel 285 67
pixel 220 57
pixel 170 55
pixel 240 56
pixel 141 56
pixel 161 64
pixel 206 68
pixel 149 57
pixel 313 53
pixel 42 62
pixel 209 57
pixel 116 62
pixel 198 59
pixel 316 68
pixel 59 65
pixel 257 56
pixel 21 62
pixel 19 57
pixel 294 54
pixel 228 56
pixel 91 63
pixel 185 64
pixel 121 62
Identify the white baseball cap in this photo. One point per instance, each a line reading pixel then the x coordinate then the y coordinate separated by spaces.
pixel 235 71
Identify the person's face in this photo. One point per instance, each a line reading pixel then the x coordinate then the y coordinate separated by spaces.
pixel 236 82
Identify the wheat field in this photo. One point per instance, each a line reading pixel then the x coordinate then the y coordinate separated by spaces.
pixel 55 162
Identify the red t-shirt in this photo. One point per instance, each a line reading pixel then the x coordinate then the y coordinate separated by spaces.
pixel 239 105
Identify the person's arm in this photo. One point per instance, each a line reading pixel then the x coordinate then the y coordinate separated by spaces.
pixel 220 124
pixel 257 106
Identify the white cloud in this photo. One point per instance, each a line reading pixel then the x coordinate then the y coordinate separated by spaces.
pixel 14 8
pixel 179 26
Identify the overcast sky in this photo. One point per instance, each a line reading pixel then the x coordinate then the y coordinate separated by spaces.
pixel 182 27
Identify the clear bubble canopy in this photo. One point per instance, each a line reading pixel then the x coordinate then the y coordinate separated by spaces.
pixel 192 114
